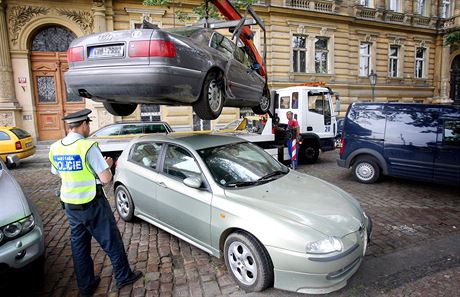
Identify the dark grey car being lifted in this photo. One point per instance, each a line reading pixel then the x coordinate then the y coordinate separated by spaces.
pixel 181 66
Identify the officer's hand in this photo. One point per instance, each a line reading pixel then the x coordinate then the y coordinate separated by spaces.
pixel 109 161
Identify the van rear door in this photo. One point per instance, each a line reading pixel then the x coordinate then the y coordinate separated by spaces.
pixel 410 141
pixel 447 157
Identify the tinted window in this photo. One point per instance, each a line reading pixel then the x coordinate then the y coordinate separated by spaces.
pixel 4 136
pixel 108 131
pixel 414 128
pixel 146 154
pixel 183 31
pixel 223 45
pixel 451 132
pixel 285 102
pixel 20 133
pixel 366 120
pixel 131 129
pixel 295 100
pixel 180 164
pixel 154 128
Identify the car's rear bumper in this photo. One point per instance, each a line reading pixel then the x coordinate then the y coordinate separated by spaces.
pixel 24 250
pixel 342 163
pixel 137 84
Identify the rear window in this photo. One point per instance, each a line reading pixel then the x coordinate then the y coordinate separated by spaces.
pixel 366 121
pixel 187 32
pixel 20 133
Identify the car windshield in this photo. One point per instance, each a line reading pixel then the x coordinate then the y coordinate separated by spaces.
pixel 20 133
pixel 241 165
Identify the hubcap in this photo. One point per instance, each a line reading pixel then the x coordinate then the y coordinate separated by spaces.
pixel 365 171
pixel 122 203
pixel 214 96
pixel 242 263
pixel 264 103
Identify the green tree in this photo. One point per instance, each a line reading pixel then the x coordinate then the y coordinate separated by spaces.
pixel 452 37
pixel 198 10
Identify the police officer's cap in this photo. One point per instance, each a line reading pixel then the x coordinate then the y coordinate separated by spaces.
pixel 78 116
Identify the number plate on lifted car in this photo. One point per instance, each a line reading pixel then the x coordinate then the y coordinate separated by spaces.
pixel 106 51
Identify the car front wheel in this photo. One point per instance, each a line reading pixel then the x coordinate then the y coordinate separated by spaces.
pixel 211 101
pixel 121 110
pixel 124 203
pixel 366 170
pixel 248 262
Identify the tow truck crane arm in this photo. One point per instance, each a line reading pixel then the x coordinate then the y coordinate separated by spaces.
pixel 231 13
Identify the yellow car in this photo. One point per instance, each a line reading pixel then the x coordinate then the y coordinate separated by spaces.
pixel 15 144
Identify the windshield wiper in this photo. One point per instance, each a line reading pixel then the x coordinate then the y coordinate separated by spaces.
pixel 272 174
pixel 242 183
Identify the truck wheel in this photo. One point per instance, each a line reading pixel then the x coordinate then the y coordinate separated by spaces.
pixel 248 262
pixel 211 101
pixel 366 170
pixel 309 153
pixel 118 109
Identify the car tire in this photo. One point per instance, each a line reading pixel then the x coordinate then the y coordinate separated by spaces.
pixel 264 105
pixel 10 165
pixel 366 170
pixel 309 152
pixel 248 262
pixel 121 110
pixel 124 203
pixel 211 101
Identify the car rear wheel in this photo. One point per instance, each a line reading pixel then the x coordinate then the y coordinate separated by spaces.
pixel 211 101
pixel 121 110
pixel 248 262
pixel 124 203
pixel 366 170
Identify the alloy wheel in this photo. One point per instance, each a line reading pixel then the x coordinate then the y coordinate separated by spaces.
pixel 122 203
pixel 214 96
pixel 242 263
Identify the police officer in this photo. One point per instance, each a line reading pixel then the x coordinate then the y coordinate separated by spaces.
pixel 83 171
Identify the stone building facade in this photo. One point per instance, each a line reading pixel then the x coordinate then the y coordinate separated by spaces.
pixel 338 42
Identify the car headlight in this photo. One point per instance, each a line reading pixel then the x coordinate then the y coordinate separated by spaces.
pixel 20 227
pixel 324 246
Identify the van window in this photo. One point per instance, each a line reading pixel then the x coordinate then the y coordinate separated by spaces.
pixel 285 102
pixel 411 128
pixel 451 132
pixel 366 121
pixel 295 100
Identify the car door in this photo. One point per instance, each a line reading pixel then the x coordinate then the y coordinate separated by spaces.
pixel 184 209
pixel 142 177
pixel 410 141
pixel 447 157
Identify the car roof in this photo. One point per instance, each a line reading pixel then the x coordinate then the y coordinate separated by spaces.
pixel 194 141
pixel 415 106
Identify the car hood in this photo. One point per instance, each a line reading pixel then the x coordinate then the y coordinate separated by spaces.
pixel 12 199
pixel 305 200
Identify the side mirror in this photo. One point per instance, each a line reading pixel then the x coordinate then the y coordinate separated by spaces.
pixel 193 182
pixel 337 103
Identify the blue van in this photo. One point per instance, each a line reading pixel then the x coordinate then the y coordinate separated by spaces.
pixel 414 141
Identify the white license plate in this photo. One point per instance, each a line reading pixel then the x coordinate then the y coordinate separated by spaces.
pixel 106 51
pixel 28 144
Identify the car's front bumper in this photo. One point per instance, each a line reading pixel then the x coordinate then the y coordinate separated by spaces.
pixel 304 273
pixel 136 84
pixel 23 250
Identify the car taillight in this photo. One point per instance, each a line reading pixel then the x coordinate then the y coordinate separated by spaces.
pixel 152 48
pixel 342 142
pixel 18 145
pixel 75 54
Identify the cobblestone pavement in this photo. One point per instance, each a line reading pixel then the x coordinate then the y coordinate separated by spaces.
pixel 405 214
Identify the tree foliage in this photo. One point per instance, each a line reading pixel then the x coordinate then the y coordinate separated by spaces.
pixel 452 37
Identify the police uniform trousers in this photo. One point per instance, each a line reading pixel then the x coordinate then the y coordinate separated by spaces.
pixel 95 219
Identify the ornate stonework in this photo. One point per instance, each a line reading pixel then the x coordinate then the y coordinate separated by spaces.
pixel 83 18
pixel 21 15
pixel 6 118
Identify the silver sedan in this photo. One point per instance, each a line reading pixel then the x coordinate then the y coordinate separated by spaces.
pixel 274 226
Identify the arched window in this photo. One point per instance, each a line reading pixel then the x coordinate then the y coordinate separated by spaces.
pixel 52 39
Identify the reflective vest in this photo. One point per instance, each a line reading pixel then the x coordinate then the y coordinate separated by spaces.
pixel 78 181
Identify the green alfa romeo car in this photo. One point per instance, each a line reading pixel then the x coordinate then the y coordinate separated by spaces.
pixel 274 226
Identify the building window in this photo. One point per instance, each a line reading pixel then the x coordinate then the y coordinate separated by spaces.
pixel 393 61
pixel 366 3
pixel 299 53
pixel 420 62
pixel 420 7
pixel 364 59
pixel 395 5
pixel 321 54
pixel 445 8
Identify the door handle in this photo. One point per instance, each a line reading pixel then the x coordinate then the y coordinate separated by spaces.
pixel 163 184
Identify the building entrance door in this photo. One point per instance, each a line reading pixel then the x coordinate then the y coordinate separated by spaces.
pixel 49 62
pixel 455 81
